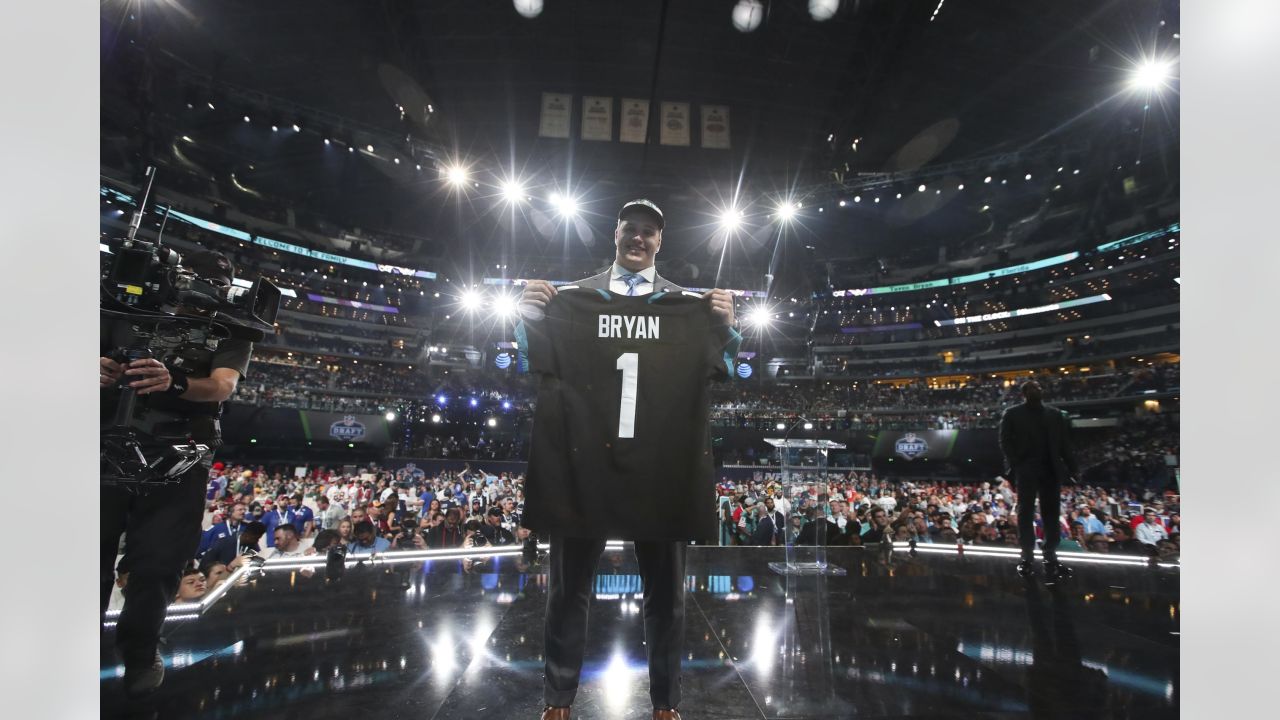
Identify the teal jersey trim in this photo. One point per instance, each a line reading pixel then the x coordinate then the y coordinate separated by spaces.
pixel 522 347
pixel 731 348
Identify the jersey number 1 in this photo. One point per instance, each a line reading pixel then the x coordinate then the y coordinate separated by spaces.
pixel 629 364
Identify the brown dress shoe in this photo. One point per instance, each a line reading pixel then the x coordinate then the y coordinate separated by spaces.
pixel 670 714
pixel 555 713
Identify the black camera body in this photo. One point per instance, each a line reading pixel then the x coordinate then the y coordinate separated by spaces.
pixel 147 278
pixel 154 307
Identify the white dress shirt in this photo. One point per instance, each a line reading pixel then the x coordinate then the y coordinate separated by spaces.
pixel 617 285
pixel 1150 533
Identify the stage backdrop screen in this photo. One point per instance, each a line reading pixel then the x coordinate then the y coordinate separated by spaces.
pixel 345 427
pixel 956 446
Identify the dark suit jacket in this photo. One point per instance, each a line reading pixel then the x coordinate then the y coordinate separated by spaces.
pixel 766 533
pixel 1017 428
pixel 601 282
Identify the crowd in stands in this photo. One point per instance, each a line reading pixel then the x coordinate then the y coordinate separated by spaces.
pixel 972 403
pixel 861 509
pixel 278 513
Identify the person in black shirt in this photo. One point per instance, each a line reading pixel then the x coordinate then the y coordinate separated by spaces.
pixel 161 525
pixel 576 550
pixel 1036 442
pixel 492 529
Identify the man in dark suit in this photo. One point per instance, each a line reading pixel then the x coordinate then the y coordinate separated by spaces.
pixel 772 527
pixel 1036 441
pixel 637 237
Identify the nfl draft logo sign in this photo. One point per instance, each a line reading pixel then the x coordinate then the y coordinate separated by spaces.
pixel 911 447
pixel 347 429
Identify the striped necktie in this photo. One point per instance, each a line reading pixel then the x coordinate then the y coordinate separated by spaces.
pixel 632 280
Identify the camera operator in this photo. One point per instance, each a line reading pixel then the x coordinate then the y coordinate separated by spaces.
pixel 407 536
pixel 161 524
pixel 474 539
pixel 493 531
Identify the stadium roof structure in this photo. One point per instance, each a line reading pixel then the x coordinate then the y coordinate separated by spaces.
pixel 874 96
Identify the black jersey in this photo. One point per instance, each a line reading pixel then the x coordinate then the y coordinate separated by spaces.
pixel 621 444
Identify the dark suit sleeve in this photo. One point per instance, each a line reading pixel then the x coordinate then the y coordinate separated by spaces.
pixel 1007 441
pixel 763 531
pixel 1068 451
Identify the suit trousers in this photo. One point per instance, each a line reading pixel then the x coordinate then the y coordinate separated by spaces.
pixel 162 532
pixel 570 580
pixel 1046 489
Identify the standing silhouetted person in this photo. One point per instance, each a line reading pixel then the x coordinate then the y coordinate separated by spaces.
pixel 1036 441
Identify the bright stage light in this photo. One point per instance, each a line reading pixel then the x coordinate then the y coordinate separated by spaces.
pixel 759 317
pixel 920 189
pixel 1150 75
pixel 730 219
pixel 786 211
pixel 390 416
pixel 780 426
pixel 435 417
pixel 808 426
pixel 565 205
pixel 471 300
pixel 492 422
pixel 513 192
pixel 457 175
pixel 505 306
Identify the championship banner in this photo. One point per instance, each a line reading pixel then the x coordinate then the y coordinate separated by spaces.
pixel 715 127
pixel 675 124
pixel 555 115
pixel 635 120
pixel 597 118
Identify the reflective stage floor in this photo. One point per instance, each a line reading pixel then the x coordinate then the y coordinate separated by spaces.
pixel 933 636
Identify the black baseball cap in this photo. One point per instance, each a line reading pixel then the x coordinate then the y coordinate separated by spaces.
pixel 211 264
pixel 647 206
pixel 495 511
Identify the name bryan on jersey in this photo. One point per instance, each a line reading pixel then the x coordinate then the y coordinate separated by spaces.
pixel 630 327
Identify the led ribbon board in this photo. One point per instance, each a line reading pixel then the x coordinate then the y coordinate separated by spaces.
pixel 1023 312
pixel 273 244
pixel 520 282
pixel 341 260
pixel 352 303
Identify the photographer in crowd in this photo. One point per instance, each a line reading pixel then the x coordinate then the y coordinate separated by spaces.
pixel 161 524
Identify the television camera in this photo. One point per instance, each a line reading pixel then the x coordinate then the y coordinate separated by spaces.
pixel 153 305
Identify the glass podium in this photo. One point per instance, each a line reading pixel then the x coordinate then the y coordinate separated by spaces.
pixel 805 487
